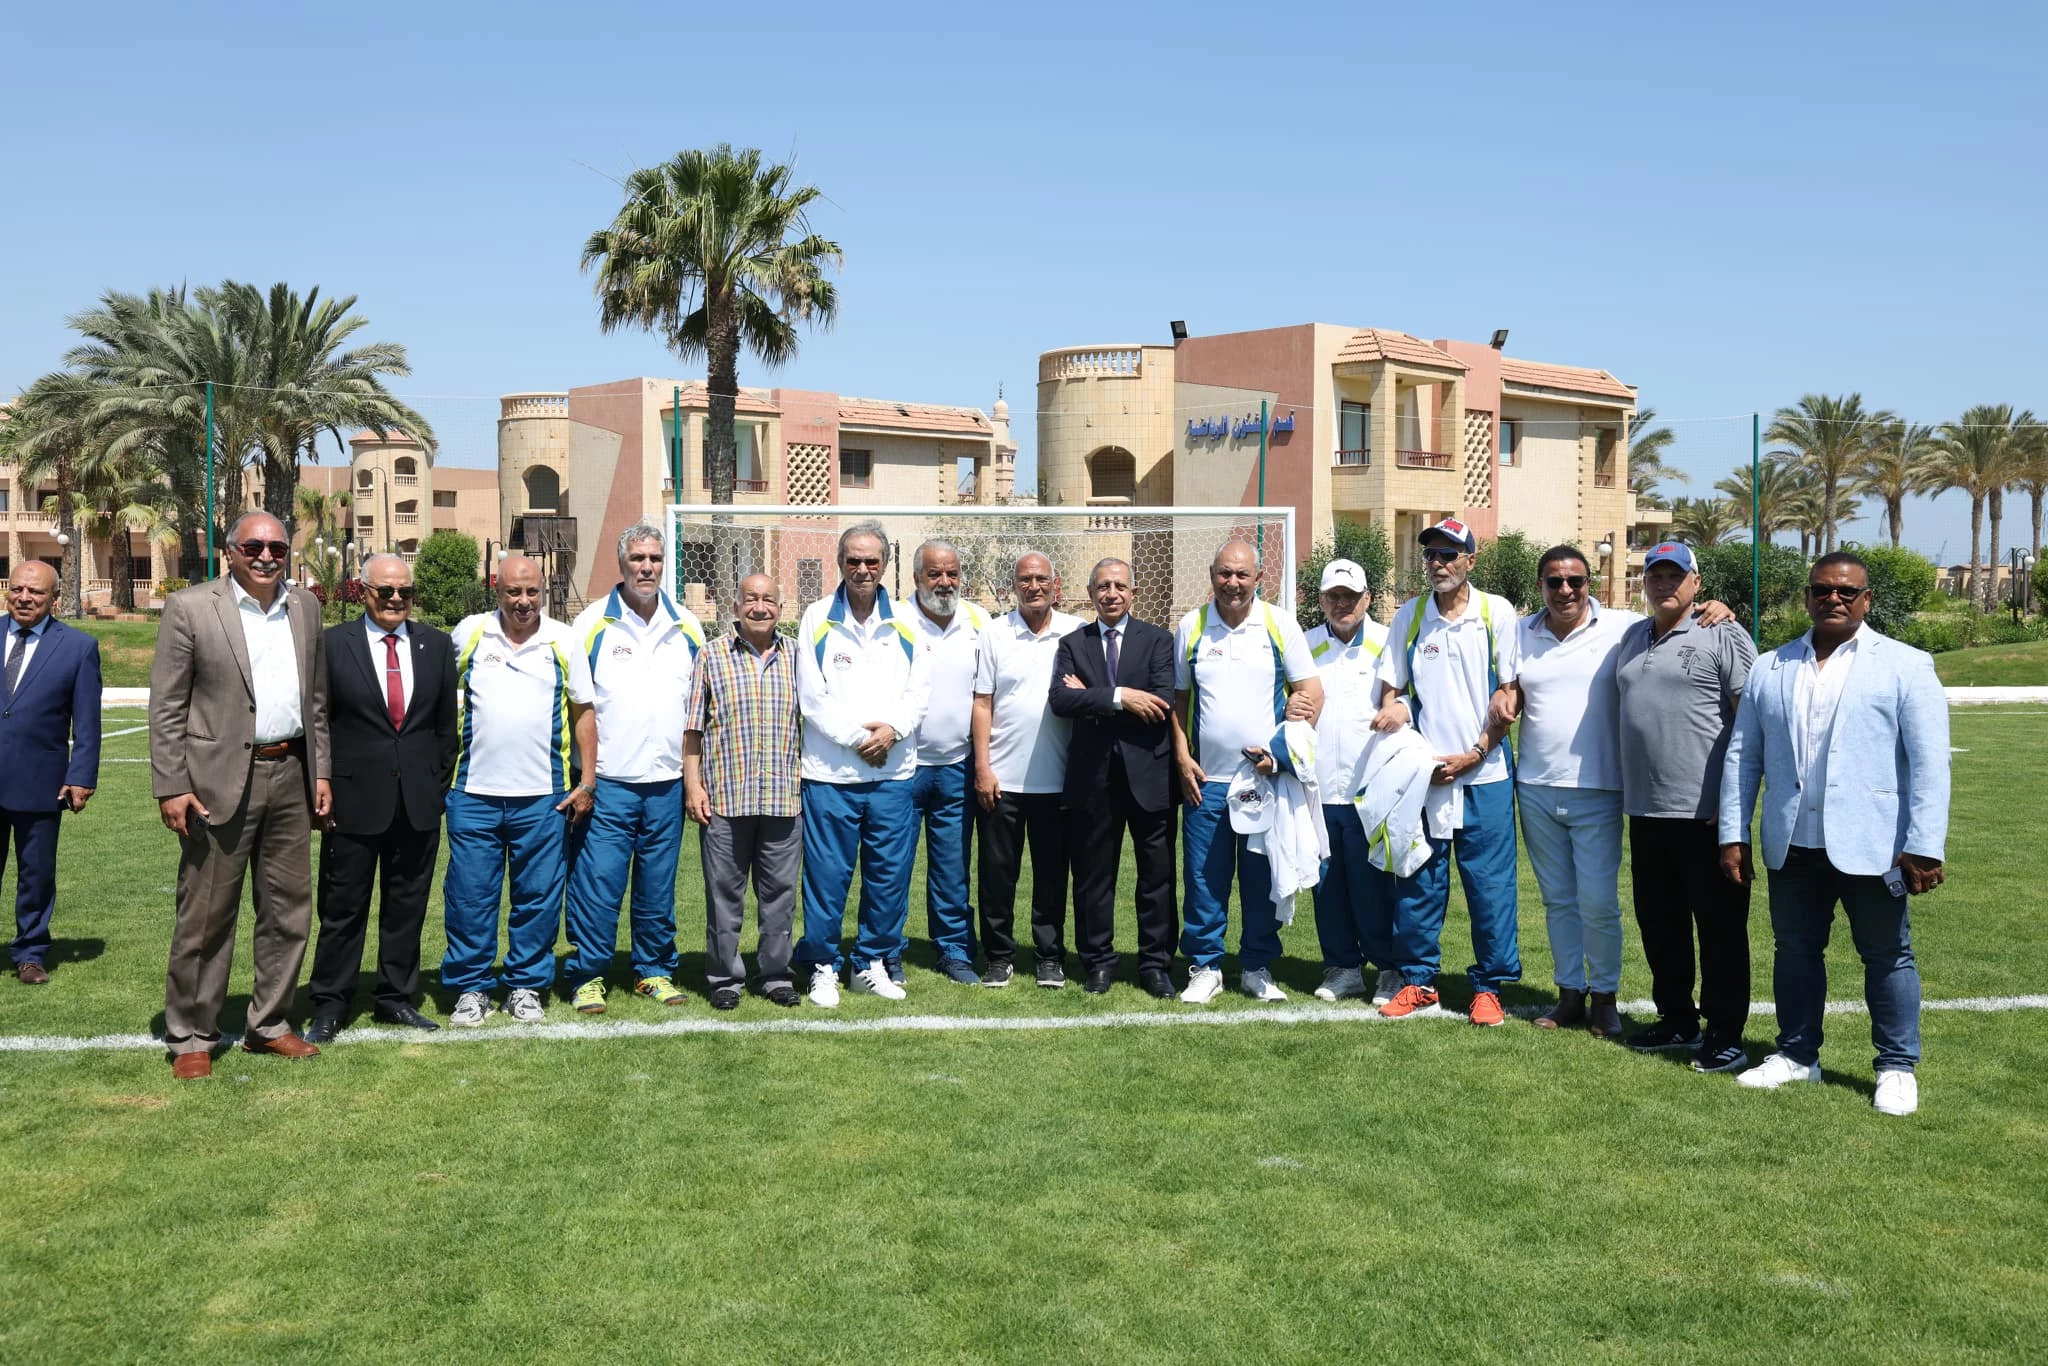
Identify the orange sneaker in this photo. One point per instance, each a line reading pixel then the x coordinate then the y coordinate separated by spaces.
pixel 1486 1009
pixel 1408 1000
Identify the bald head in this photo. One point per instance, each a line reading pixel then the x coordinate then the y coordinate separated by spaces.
pixel 1236 552
pixel 519 569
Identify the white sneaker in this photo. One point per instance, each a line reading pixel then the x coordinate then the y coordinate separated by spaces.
pixel 470 1009
pixel 1387 987
pixel 873 980
pixel 1776 1070
pixel 1204 986
pixel 825 987
pixel 1340 984
pixel 1258 984
pixel 1898 1093
pixel 524 1006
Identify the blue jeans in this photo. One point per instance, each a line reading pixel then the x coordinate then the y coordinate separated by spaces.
pixel 941 795
pixel 876 823
pixel 1354 900
pixel 1573 835
pixel 1213 856
pixel 636 829
pixel 1485 850
pixel 485 834
pixel 1803 894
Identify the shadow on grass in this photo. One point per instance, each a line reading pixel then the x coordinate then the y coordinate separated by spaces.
pixel 76 950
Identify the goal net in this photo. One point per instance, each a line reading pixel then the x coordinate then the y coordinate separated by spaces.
pixel 1169 549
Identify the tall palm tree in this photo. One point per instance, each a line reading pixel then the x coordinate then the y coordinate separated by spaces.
pixel 39 441
pixel 1706 521
pixel 714 250
pixel 1978 454
pixel 1828 435
pixel 1779 489
pixel 1900 463
pixel 1647 444
pixel 2031 471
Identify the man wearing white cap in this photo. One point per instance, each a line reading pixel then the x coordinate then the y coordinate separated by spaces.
pixel 1450 654
pixel 1354 900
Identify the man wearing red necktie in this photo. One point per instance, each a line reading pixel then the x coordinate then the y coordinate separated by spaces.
pixel 393 724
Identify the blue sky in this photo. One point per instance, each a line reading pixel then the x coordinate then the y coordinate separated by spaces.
pixel 1727 206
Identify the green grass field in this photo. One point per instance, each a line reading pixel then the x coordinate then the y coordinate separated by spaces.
pixel 1994 666
pixel 126 649
pixel 1331 1187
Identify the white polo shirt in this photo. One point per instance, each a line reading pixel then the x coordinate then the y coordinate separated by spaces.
pixel 1452 678
pixel 1235 674
pixel 1347 672
pixel 1027 744
pixel 1571 705
pixel 852 673
pixel 952 649
pixel 515 731
pixel 641 670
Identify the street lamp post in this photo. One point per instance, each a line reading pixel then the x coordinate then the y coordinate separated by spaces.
pixel 1606 552
pixel 77 598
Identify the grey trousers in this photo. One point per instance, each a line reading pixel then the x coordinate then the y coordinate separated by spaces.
pixel 273 831
pixel 771 848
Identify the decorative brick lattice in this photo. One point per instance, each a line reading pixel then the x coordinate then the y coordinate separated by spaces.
pixel 1478 459
pixel 810 473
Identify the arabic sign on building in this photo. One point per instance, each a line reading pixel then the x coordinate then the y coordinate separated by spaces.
pixel 1250 425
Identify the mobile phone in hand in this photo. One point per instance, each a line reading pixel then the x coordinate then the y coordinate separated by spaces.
pixel 1895 880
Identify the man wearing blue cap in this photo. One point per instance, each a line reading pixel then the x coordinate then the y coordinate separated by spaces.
pixel 1679 682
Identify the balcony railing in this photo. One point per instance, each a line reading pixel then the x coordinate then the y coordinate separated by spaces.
pixel 405 480
pixel 1422 460
pixel 1358 457
pixel 534 405
pixel 750 485
pixel 1603 481
pixel 1092 362
pixel 406 518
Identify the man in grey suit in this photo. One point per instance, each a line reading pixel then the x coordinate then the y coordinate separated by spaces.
pixel 238 758
pixel 1846 732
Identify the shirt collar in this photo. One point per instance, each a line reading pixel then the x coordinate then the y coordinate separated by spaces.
pixel 495 624
pixel 1543 622
pixel 1023 627
pixel 839 614
pixel 1855 639
pixel 617 609
pixel 740 645
pixel 242 595
pixel 402 630
pixel 35 632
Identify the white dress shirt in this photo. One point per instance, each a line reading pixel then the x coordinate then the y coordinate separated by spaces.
pixel 1816 692
pixel 13 643
pixel 273 665
pixel 378 653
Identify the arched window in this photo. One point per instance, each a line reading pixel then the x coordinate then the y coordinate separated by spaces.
pixel 1112 473
pixel 405 464
pixel 543 489
pixel 366 478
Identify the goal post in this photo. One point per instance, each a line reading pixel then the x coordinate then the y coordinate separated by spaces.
pixel 712 546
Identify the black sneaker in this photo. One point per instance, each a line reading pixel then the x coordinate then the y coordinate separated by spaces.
pixel 998 975
pixel 784 995
pixel 1665 1038
pixel 1052 973
pixel 726 998
pixel 1716 1056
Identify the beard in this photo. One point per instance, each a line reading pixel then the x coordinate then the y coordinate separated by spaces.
pixel 939 602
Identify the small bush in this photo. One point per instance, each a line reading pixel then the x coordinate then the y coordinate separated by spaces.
pixel 1362 542
pixel 1506 566
pixel 1900 579
pixel 1725 577
pixel 1782 623
pixel 1936 634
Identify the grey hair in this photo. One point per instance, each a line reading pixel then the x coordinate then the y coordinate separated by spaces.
pixel 917 559
pixel 1250 549
pixel 235 527
pixel 399 560
pixel 639 531
pixel 1041 555
pixel 1105 562
pixel 867 528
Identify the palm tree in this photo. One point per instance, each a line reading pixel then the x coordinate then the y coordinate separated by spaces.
pixel 1900 463
pixel 2032 470
pixel 41 443
pixel 1779 489
pixel 714 250
pixel 1829 437
pixel 1978 454
pixel 1646 466
pixel 319 517
pixel 1705 521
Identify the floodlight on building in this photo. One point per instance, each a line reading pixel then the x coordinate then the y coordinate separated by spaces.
pixel 1180 330
pixel 1500 339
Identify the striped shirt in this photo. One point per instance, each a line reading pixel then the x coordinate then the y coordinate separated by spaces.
pixel 743 703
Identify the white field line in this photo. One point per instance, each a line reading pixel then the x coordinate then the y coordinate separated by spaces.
pixel 581 1031
pixel 117 734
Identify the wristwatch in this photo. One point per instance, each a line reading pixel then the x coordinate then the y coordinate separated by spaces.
pixel 591 788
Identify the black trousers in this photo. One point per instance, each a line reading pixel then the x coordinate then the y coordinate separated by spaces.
pixel 1096 828
pixel 1679 889
pixel 1040 818
pixel 401 860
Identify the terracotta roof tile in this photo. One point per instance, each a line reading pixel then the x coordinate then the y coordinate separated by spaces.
pixel 1541 375
pixel 392 436
pixel 914 417
pixel 1378 343
pixel 696 394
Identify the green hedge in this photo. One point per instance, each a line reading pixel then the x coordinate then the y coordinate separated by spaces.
pixel 1364 543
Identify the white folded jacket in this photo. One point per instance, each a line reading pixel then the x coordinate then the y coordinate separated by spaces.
pixel 1296 841
pixel 1397 766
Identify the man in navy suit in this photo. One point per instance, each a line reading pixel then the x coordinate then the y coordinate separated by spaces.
pixel 50 733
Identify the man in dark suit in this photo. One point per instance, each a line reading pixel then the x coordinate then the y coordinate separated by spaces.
pixel 1113 679
pixel 50 733
pixel 391 715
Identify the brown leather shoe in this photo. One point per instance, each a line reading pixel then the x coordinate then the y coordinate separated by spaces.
pixel 1569 1010
pixel 191 1066
pixel 1603 1020
pixel 285 1045
pixel 31 974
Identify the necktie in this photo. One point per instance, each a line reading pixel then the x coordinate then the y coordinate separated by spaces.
pixel 15 658
pixel 1109 649
pixel 394 683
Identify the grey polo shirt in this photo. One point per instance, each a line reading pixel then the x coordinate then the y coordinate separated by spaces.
pixel 1678 696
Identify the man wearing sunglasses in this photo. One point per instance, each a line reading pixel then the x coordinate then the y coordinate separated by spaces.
pixel 239 766
pixel 1846 732
pixel 391 705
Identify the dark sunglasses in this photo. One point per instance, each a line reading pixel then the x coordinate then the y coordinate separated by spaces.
pixel 253 550
pixel 1440 553
pixel 1556 581
pixel 387 592
pixel 1841 591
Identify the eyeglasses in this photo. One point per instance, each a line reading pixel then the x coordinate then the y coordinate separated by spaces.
pixel 402 592
pixel 254 550
pixel 1556 581
pixel 863 562
pixel 1440 554
pixel 1840 591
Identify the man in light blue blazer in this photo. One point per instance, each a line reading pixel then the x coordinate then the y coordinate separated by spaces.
pixel 1847 732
